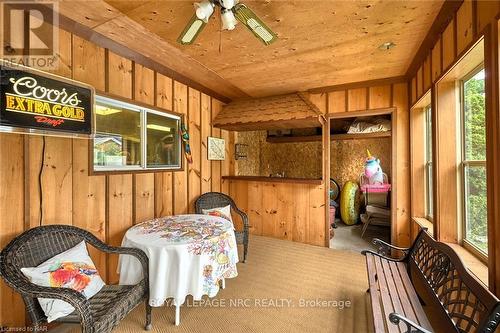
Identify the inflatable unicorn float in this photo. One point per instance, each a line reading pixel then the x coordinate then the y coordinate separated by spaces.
pixel 373 179
pixel 373 170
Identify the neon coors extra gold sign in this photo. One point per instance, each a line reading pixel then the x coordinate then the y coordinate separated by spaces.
pixel 40 101
pixel 32 98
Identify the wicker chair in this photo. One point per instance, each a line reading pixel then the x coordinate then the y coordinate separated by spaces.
pixel 215 199
pixel 103 311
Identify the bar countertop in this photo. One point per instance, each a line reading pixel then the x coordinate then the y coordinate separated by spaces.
pixel 275 179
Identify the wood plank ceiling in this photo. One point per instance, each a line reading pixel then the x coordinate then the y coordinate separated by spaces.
pixel 321 43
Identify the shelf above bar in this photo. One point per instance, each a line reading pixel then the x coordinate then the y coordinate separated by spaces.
pixel 333 137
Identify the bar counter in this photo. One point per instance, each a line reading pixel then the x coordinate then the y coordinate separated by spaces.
pixel 276 179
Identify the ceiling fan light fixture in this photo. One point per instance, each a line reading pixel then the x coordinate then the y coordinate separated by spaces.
pixel 228 4
pixel 204 10
pixel 228 20
pixel 231 11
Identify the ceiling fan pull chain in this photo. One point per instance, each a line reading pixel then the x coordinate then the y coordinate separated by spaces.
pixel 220 34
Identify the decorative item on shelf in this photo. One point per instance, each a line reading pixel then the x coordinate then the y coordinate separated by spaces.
pixel 240 151
pixel 187 147
pixel 216 148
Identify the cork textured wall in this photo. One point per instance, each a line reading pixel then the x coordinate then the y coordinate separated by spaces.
pixel 347 157
pixel 251 165
pixel 303 159
pixel 296 160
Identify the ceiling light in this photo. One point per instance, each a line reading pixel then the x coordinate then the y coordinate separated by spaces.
pixel 228 19
pixel 387 46
pixel 228 3
pixel 104 111
pixel 231 12
pixel 159 127
pixel 204 10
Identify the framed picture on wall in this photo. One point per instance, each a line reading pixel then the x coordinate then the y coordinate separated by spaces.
pixel 216 149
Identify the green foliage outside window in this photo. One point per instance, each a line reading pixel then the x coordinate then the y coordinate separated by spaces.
pixel 475 150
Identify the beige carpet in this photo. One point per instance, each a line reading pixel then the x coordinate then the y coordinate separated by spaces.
pixel 280 272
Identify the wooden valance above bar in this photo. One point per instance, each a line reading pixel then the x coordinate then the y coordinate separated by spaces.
pixel 268 113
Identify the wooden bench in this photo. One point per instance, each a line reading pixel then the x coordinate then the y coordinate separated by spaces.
pixel 456 297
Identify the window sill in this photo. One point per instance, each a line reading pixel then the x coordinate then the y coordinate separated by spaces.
pixel 474 264
pixel 130 171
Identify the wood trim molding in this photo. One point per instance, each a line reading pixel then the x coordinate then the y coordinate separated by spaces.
pixel 326 143
pixel 270 124
pixel 445 15
pixel 360 84
pixel 361 113
pixel 492 83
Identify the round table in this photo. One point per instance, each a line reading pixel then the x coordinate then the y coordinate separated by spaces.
pixel 188 255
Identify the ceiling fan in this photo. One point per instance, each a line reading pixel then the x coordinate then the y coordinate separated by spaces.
pixel 230 11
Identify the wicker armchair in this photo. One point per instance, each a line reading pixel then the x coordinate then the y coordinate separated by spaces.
pixel 103 311
pixel 215 199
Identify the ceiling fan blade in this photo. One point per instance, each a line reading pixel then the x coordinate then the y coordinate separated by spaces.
pixel 191 31
pixel 254 24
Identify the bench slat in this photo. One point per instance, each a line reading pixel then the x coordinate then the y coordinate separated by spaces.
pixel 393 291
pixel 408 310
pixel 412 294
pixel 379 325
pixel 386 299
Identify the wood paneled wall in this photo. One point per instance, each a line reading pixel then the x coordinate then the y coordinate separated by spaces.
pixel 288 211
pixel 358 99
pixel 474 20
pixel 106 205
pixel 469 23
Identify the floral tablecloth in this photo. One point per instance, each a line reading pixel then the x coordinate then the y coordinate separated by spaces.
pixel 188 255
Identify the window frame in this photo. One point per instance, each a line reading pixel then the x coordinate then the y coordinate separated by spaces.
pixel 143 109
pixel 464 164
pixel 428 165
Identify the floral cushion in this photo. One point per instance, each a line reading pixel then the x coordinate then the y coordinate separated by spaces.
pixel 73 269
pixel 224 212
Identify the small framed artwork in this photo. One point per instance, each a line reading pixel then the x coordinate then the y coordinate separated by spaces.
pixel 216 149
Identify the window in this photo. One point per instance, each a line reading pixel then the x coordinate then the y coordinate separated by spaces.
pixel 428 164
pixel 129 137
pixel 474 162
pixel 163 142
